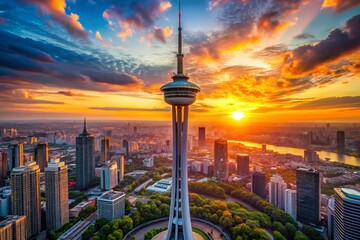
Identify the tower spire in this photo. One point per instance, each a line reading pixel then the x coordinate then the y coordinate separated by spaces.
pixel 180 56
pixel 84 131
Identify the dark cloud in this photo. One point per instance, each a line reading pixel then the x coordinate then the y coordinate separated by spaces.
pixel 271 51
pixel 71 94
pixel 167 109
pixel 331 102
pixel 304 36
pixel 339 42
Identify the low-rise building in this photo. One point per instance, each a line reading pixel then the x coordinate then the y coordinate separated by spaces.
pixel 111 205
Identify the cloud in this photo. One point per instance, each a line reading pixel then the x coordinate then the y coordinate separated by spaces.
pixel 105 43
pixel 136 14
pixel 71 94
pixel 340 5
pixel 160 34
pixel 56 10
pixel 330 103
pixel 166 109
pixel 339 42
pixel 304 36
pixel 22 97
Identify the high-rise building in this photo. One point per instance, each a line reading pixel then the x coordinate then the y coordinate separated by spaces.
pixel 111 205
pixel 201 137
pixel 290 202
pixel 105 149
pixel 277 187
pixel 347 214
pixel 330 215
pixel 258 184
pixel 13 228
pixel 56 194
pixel 308 201
pixel 109 176
pixel 242 164
pixel 25 195
pixel 221 163
pixel 15 155
pixel 5 203
pixel 3 167
pixel 126 146
pixel 119 159
pixel 206 164
pixel 179 94
pixel 340 141
pixel 85 159
pixel 310 156
pixel 41 155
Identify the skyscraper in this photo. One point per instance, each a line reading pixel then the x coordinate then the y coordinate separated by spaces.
pixel 85 159
pixel 201 137
pixel 310 156
pixel 109 176
pixel 13 228
pixel 179 94
pixel 330 218
pixel 277 187
pixel 126 146
pixel 308 201
pixel 119 159
pixel 258 184
pixel 41 155
pixel 290 202
pixel 242 164
pixel 340 141
pixel 56 193
pixel 15 155
pixel 105 149
pixel 25 195
pixel 111 205
pixel 3 166
pixel 221 166
pixel 346 214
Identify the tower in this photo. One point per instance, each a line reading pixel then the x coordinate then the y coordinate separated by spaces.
pixel 56 193
pixel 277 188
pixel 258 184
pixel 242 164
pixel 221 167
pixel 179 94
pixel 290 202
pixel 201 137
pixel 85 159
pixel 109 176
pixel 308 200
pixel 16 155
pixel 25 195
pixel 105 149
pixel 41 154
pixel 340 141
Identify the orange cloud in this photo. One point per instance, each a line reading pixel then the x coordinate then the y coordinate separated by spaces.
pixel 160 34
pixel 340 5
pixel 56 10
pixel 125 34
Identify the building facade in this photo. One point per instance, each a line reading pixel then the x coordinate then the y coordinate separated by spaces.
pixel 109 176
pixel 13 228
pixel 277 187
pixel 3 166
pixel 56 193
pixel 290 202
pixel 242 164
pixel 258 184
pixel 25 196
pixel 41 154
pixel 111 205
pixel 201 137
pixel 221 164
pixel 308 187
pixel 15 155
pixel 347 214
pixel 340 141
pixel 105 149
pixel 85 159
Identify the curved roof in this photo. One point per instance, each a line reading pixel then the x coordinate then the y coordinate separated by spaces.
pixel 180 84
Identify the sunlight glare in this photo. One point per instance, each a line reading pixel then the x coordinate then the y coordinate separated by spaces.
pixel 238 115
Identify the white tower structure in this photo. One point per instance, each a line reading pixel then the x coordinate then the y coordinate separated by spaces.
pixel 179 94
pixel 277 188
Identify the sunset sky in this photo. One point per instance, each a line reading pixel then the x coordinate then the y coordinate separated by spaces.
pixel 272 60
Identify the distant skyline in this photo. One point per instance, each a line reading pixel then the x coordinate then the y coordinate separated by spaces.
pixel 272 60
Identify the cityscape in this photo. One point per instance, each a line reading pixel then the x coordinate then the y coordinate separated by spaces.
pixel 179 120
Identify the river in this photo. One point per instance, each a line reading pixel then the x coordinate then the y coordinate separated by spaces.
pixel 334 157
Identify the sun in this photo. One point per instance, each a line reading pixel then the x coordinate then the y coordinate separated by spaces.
pixel 238 115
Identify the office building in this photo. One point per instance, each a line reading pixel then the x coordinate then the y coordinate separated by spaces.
pixel 340 141
pixel 161 186
pixel 5 202
pixel 242 164
pixel 290 202
pixel 56 194
pixel 149 162
pixel 126 146
pixel 13 228
pixel 330 215
pixel 221 163
pixel 308 184
pixel 201 137
pixel 25 196
pixel 277 187
pixel 347 214
pixel 85 159
pixel 105 149
pixel 119 159
pixel 15 155
pixel 180 94
pixel 196 166
pixel 3 167
pixel 206 165
pixel 310 156
pixel 109 176
pixel 41 155
pixel 111 205
pixel 258 184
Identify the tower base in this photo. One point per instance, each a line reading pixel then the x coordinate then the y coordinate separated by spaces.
pixel 162 235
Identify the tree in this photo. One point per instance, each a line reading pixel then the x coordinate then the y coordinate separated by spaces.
pixel 118 234
pixel 300 236
pixel 99 223
pixel 277 226
pixel 214 218
pixel 278 236
pixel 88 233
pixel 291 229
pixel 260 234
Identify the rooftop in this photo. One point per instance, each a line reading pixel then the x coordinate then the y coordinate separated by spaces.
pixel 111 195
pixel 351 193
pixel 9 219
